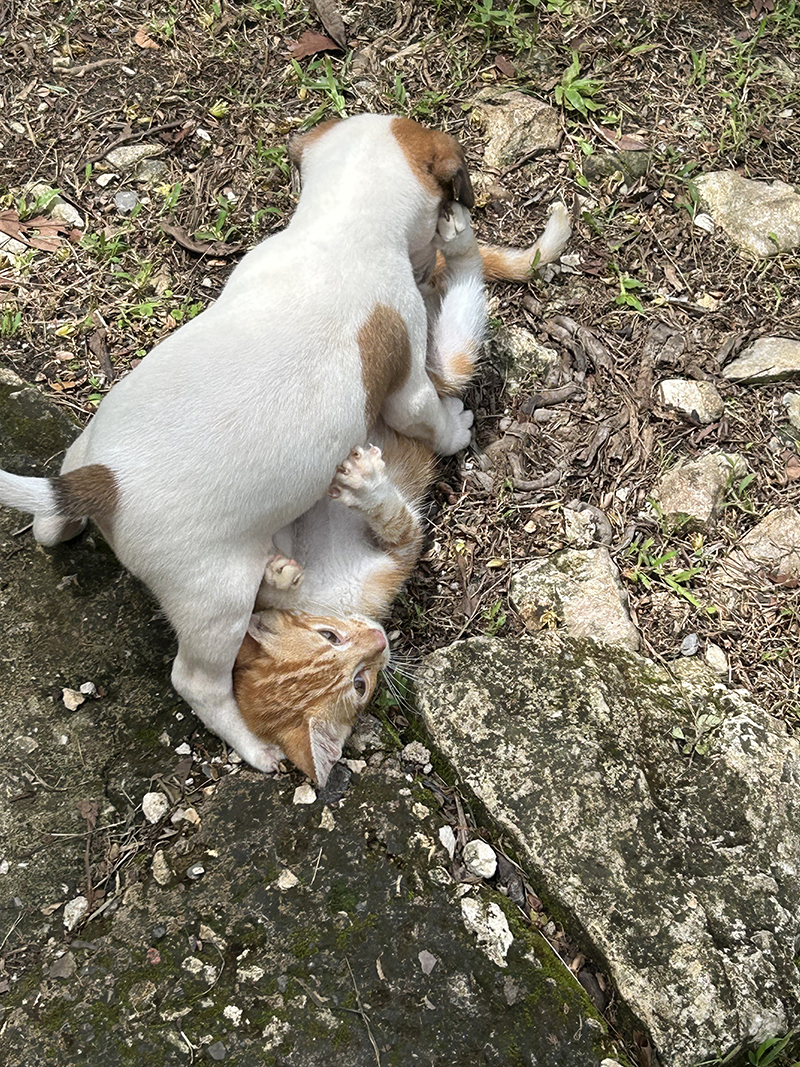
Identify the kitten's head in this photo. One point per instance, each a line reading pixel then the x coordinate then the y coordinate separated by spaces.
pixel 301 680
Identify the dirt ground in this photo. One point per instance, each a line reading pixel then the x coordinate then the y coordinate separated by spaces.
pixel 214 87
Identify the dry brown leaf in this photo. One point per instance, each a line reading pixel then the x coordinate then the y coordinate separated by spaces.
pixel 332 21
pixel 626 143
pixel 505 66
pixel 143 39
pixel 214 248
pixel 310 43
pixel 48 235
pixel 792 469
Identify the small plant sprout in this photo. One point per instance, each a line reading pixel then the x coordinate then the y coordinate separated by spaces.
pixel 626 297
pixel 576 93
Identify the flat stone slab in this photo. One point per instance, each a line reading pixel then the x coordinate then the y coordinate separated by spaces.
pixel 692 493
pixel 582 588
pixel 773 545
pixel 761 219
pixel 662 816
pixel 161 904
pixel 769 359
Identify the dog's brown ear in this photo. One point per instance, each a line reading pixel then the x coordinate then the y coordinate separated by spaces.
pixel 300 143
pixel 453 177
pixel 436 159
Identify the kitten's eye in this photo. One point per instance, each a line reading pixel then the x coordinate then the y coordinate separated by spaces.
pixel 360 685
pixel 329 635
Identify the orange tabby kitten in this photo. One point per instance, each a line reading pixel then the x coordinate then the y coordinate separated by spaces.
pixel 310 660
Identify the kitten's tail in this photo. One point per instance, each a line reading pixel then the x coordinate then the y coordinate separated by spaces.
pixel 517 264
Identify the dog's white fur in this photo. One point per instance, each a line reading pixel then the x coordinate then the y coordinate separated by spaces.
pixel 234 425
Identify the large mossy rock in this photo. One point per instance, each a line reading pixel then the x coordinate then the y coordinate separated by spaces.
pixel 662 818
pixel 242 926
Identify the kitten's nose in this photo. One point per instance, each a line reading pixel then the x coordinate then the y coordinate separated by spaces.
pixel 377 640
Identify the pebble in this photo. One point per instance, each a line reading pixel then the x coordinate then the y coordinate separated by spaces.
pixel 326 820
pixel 304 794
pixel 89 689
pixel 699 401
pixel 195 872
pixel 126 200
pixel 415 752
pixel 480 859
pixel 448 839
pixel 427 961
pixel 131 155
pixel 160 868
pixel 105 179
pixel 287 880
pixel 64 967
pixel 74 911
pixel 154 806
pixel 716 659
pixel 217 1051
pixel 689 645
pixel 769 359
pixel 704 222
pixel 72 699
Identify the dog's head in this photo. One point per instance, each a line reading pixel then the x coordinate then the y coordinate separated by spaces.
pixel 435 158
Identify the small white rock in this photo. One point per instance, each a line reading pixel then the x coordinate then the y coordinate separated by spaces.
pixel 415 752
pixel 427 961
pixel 287 880
pixel 304 794
pixel 105 179
pixel 72 699
pixel 716 659
pixel 74 911
pixel 154 806
pixel 357 766
pixel 89 689
pixel 161 869
pixel 326 821
pixel 480 859
pixel 184 749
pixel 448 839
pixel 232 1013
pixel 705 223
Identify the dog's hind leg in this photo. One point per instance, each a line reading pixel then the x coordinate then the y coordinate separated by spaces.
pixel 210 613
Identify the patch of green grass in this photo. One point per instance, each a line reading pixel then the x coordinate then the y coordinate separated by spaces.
pixel 10 322
pixel 318 78
pixel 650 567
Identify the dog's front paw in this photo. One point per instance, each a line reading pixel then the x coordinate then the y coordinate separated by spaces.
pixel 361 472
pixel 459 431
pixel 282 572
pixel 261 755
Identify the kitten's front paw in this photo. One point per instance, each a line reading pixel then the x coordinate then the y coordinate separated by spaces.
pixel 283 573
pixel 459 431
pixel 361 471
pixel 454 235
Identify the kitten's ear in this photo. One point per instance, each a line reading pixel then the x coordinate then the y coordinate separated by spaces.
pixel 314 748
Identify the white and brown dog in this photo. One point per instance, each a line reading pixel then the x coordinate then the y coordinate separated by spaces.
pixel 235 424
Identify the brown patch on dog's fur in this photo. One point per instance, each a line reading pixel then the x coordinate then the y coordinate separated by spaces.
pixel 385 357
pixel 436 159
pixel 88 491
pixel 299 144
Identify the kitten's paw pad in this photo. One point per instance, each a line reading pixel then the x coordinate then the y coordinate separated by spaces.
pixel 362 470
pixel 283 573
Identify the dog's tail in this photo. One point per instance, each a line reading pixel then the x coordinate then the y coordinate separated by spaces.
pixel 37 496
pixel 518 264
pixel 62 504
